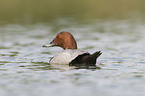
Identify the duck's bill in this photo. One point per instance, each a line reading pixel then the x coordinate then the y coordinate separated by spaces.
pixel 48 45
pixel 51 44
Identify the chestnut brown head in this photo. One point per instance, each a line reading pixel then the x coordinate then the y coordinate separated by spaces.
pixel 64 40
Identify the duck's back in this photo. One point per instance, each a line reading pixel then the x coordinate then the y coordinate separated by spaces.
pixel 66 56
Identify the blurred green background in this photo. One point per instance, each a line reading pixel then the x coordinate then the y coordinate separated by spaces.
pixel 33 11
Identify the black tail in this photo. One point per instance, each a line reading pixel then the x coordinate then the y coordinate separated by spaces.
pixel 96 54
pixel 86 59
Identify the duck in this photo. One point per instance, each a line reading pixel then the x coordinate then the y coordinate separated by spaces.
pixel 71 54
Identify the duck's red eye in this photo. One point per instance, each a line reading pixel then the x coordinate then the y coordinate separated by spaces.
pixel 58 36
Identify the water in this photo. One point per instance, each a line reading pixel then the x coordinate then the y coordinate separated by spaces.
pixel 25 70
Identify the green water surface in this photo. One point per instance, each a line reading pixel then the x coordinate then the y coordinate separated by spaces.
pixel 116 27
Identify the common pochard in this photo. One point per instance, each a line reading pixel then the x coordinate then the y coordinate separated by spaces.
pixel 71 55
